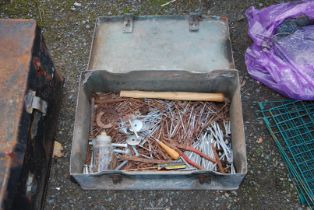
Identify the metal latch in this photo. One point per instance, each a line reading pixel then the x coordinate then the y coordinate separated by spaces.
pixel 127 23
pixel 34 102
pixel 194 20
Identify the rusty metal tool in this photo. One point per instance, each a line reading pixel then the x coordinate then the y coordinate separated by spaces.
pixel 192 149
pixel 143 160
pixel 187 159
pixel 167 166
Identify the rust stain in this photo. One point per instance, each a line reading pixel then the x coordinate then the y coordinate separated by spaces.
pixel 16 41
pixel 40 72
pixel 224 18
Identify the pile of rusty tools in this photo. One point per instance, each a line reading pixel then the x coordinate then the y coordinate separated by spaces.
pixel 157 134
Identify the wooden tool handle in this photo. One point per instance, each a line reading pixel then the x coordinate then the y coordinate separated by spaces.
pixel 177 96
pixel 171 152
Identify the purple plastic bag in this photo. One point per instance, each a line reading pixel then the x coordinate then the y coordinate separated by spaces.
pixel 283 64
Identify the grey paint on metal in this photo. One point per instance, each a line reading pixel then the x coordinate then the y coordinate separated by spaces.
pixel 160 182
pixel 160 53
pixel 161 43
pixel 225 81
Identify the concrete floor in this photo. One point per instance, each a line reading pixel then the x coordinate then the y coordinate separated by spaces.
pixel 68 32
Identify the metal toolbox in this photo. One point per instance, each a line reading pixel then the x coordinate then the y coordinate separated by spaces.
pixel 159 53
pixel 29 104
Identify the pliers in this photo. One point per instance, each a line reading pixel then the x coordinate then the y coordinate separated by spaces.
pixel 192 149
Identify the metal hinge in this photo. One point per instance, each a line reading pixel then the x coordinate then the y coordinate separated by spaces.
pixel 194 19
pixel 127 23
pixel 34 102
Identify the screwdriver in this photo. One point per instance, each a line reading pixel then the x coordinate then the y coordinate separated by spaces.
pixel 171 152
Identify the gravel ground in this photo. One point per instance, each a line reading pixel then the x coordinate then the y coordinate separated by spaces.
pixel 68 31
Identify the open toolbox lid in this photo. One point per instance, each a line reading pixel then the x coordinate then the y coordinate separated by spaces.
pixel 159 53
pixel 194 43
